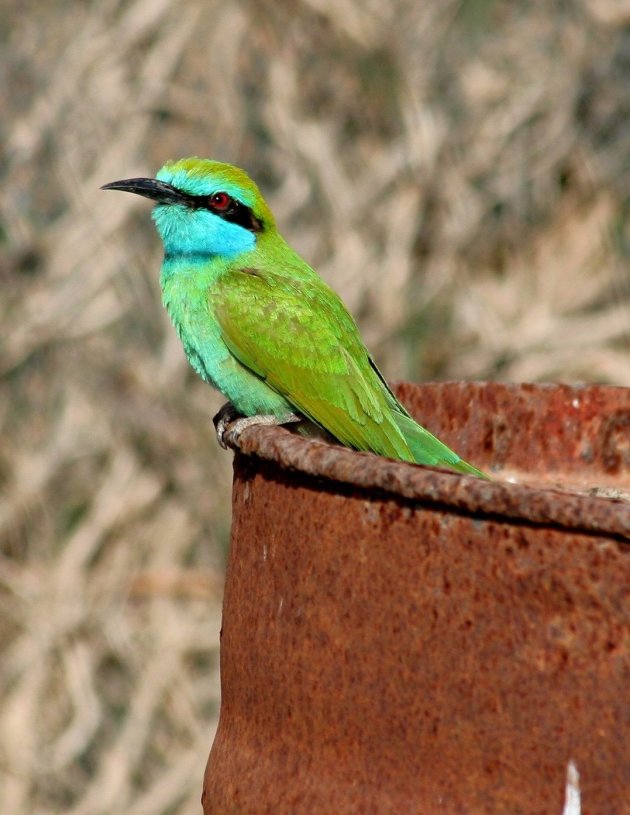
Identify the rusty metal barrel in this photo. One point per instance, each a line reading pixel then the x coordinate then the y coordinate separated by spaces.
pixel 412 641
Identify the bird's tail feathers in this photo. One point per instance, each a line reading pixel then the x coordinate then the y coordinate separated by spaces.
pixel 430 451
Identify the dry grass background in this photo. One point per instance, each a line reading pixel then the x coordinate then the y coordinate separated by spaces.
pixel 459 171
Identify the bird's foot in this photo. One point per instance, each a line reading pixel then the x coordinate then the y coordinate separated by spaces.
pixel 226 416
pixel 233 431
pixel 229 424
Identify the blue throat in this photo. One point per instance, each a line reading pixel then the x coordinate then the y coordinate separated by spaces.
pixel 199 235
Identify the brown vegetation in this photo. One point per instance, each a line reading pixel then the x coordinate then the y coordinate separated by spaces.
pixel 459 171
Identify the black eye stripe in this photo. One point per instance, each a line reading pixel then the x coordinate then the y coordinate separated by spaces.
pixel 236 212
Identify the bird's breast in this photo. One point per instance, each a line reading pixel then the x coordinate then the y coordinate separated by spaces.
pixel 185 295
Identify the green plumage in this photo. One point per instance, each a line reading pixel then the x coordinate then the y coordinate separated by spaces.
pixel 260 325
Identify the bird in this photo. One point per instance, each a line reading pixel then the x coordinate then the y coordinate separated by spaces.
pixel 262 327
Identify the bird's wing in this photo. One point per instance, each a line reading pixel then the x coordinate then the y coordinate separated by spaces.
pixel 298 336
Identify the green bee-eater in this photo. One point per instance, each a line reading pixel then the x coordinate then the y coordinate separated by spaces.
pixel 261 326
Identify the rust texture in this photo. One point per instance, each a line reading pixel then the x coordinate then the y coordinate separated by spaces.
pixel 404 640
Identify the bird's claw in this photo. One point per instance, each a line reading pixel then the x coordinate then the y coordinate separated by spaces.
pixel 229 424
pixel 226 416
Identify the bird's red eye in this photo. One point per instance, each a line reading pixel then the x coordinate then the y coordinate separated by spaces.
pixel 220 201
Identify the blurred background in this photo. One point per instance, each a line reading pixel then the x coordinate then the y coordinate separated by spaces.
pixel 458 171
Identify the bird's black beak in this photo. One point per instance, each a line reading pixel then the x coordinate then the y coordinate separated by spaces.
pixel 148 188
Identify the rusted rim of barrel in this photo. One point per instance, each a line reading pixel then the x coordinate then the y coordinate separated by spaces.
pixel 549 506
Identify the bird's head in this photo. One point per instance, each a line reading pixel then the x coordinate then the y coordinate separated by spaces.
pixel 204 208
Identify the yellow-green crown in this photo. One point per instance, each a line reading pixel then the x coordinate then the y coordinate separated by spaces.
pixel 203 176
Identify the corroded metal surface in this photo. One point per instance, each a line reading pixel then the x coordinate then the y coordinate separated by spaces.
pixel 401 640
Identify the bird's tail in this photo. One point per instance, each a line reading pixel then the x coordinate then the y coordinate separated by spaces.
pixel 428 450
